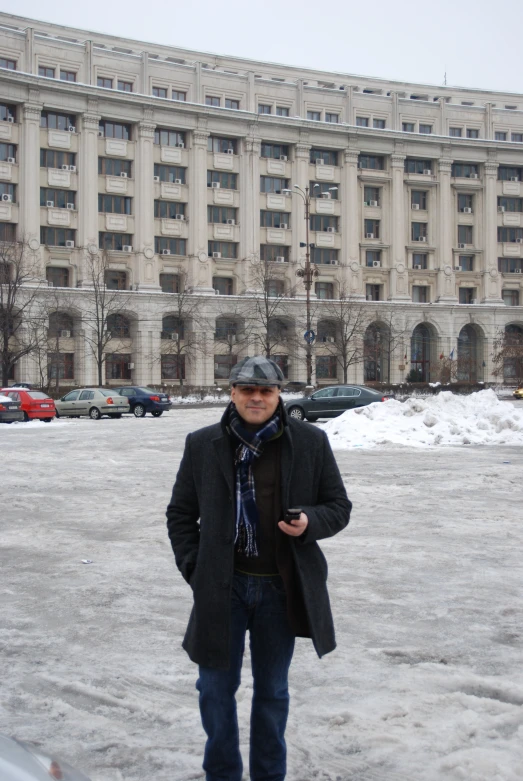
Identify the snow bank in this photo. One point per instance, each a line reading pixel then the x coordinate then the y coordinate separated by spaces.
pixel 446 419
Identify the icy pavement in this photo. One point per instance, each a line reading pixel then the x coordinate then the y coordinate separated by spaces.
pixel 426 585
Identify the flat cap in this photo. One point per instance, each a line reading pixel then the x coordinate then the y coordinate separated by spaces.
pixel 257 371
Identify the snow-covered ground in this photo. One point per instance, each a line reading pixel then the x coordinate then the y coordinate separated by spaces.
pixel 426 586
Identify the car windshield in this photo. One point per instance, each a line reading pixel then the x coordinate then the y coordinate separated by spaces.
pixel 37 395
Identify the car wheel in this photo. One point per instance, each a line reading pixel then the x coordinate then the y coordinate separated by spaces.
pixel 296 413
pixel 312 418
pixel 139 411
pixel 116 415
pixel 47 420
pixel 57 414
pixel 94 413
pixel 157 413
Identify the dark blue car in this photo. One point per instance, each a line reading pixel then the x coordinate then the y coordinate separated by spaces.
pixel 144 400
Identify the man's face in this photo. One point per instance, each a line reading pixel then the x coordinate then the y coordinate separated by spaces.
pixel 255 403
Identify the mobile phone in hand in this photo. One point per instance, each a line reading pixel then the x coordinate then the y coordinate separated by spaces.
pixel 292 514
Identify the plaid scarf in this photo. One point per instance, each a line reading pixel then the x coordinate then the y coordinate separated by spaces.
pixel 250 447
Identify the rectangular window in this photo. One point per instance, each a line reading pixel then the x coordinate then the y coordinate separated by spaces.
pixel 56 237
pixel 58 199
pixel 283 362
pixel 212 100
pixel 511 204
pixel 465 202
pixel 362 121
pixel 108 166
pixel 465 170
pixel 161 92
pixel 56 276
pixel 372 196
pixel 317 189
pixel 510 265
pixel 117 280
pixel 272 251
pixel 472 132
pixel 170 173
pixel 378 124
pixel 373 292
pixel 221 214
pixel 374 162
pixel 510 235
pixel 274 288
pixel 314 116
pixel 466 262
pixel 114 204
pixel 170 283
pixel 8 189
pixel 425 129
pixel 223 365
pixel 7 231
pixel 173 367
pixel 321 222
pixel 274 151
pixel 517 137
pixel 7 151
pixel 327 155
pixel 60 366
pixel 510 173
pixel 419 198
pixel 419 261
pixel 104 82
pixel 420 294
pixel 46 72
pixel 118 366
pixel 373 258
pixel 9 64
pixel 500 135
pixel 53 121
pixel 510 297
pixel 7 113
pixel 223 285
pixel 67 75
pixel 273 184
pixel 334 118
pixel 234 104
pixel 455 132
pixel 326 367
pixel 114 241
pixel 227 249
pixel 415 166
pixel 169 137
pixel 465 235
pixel 282 111
pixel 178 95
pixel 221 145
pixel 49 158
pixel 419 231
pixel 168 210
pixel 408 127
pixel 274 219
pixel 264 108
pixel 324 257
pixel 175 246
pixel 324 290
pixel 225 180
pixel 467 295
pixel 115 129
pixel 124 86
pixel 372 229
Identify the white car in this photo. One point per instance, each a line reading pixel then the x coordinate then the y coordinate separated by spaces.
pixel 24 762
pixel 94 402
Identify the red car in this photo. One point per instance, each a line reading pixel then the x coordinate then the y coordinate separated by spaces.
pixel 34 404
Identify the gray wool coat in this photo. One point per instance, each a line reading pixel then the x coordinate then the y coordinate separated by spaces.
pixel 201 526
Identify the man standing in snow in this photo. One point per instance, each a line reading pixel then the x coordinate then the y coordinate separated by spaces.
pixel 249 569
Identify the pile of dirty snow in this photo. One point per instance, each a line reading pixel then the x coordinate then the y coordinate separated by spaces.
pixel 446 419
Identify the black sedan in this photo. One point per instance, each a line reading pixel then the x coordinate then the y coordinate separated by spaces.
pixel 332 401
pixel 144 400
pixel 10 409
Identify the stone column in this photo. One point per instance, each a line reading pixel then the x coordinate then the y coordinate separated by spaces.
pixel 352 273
pixel 301 178
pixel 249 212
pixel 29 50
pixel 398 279
pixel 145 273
pixel 29 162
pixel 87 238
pixel 395 111
pixel 251 90
pixel 200 269
pixel 444 254
pixel 492 280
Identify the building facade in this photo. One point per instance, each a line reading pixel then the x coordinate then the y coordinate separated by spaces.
pixel 181 170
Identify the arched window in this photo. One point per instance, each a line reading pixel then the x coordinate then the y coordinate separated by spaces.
pixel 60 325
pixel 226 329
pixel 467 355
pixel 278 330
pixel 172 327
pixel 512 352
pixel 119 326
pixel 420 354
pixel 376 352
pixel 326 331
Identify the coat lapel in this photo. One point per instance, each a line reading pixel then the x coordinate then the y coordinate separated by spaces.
pixel 286 466
pixel 223 447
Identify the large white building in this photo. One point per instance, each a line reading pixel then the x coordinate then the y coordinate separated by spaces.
pixel 177 164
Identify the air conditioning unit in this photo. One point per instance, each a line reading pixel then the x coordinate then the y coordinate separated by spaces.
pixel 415 207
pixel 49 204
pixel 178 181
pixel 366 203
pixel 461 246
pixel 519 241
pixel 6 197
pixel 280 259
pixel 123 174
pixel 127 248
pixel 326 196
pixel 175 336
pixel 369 235
pixel 130 365
pixel 373 203
pixel 216 291
pixel 71 129
pixel 10 119
pixel 156 178
pixel 283 158
pixel 283 225
pixel 474 301
pixel 334 262
pixel 330 339
pixel 331 229
pixel 100 134
pixel 517 271
pixel 65 334
pixel 457 268
pixel 11 160
pixel 427 171
pixel 72 168
pixel 514 178
pixel 166 252
pixel 216 185
pixel 473 176
pixel 216 254
pixel 320 161
pixel 233 222
pixel 179 216
pixel 501 209
pixel 65 168
pixel 181 145
pixel 69 205
pixel 467 210
pixel 69 244
pixel 422 238
pixel 418 267
pixel 230 151
pixel 376 264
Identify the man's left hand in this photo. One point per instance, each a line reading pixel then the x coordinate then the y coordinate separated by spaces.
pixel 294 528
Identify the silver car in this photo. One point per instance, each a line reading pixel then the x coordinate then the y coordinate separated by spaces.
pixel 94 402
pixel 24 762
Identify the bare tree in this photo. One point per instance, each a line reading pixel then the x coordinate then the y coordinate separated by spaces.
pixel 507 354
pixel 269 306
pixel 383 338
pixel 234 324
pixel 52 333
pixel 20 285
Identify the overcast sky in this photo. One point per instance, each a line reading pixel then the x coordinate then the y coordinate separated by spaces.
pixel 476 42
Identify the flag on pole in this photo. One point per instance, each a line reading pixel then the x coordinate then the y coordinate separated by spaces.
pixel 451 355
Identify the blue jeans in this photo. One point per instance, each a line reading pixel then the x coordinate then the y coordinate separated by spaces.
pixel 259 605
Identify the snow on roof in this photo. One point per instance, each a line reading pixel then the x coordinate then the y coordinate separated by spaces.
pixel 446 419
